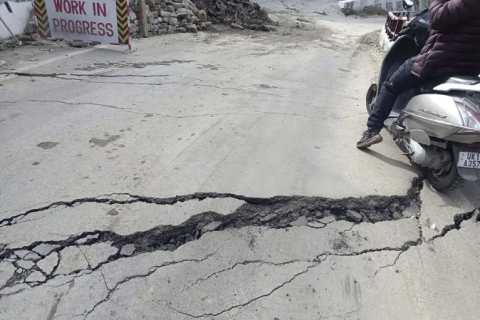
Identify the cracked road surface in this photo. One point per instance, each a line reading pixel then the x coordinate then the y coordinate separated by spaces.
pixel 214 176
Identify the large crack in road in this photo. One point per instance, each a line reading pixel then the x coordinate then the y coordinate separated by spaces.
pixel 276 213
pixel 40 262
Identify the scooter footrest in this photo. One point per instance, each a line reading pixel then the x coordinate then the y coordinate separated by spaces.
pixel 393 114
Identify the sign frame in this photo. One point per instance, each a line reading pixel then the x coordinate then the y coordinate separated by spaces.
pixel 122 25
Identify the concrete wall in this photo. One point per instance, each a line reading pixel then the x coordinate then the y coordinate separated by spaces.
pixel 17 20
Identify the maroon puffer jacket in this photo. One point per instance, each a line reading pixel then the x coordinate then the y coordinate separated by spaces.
pixel 454 42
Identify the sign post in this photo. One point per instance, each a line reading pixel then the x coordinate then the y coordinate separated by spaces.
pixel 92 21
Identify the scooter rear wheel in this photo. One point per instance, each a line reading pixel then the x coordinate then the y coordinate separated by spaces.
pixel 370 99
pixel 447 181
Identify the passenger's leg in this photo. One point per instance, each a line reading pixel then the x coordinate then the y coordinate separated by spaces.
pixel 396 84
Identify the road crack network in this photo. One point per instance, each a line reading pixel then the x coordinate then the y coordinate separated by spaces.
pixel 276 213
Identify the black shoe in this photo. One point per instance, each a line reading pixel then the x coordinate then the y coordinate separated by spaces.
pixel 369 138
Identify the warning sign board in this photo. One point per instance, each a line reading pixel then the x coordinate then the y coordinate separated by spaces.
pixel 94 21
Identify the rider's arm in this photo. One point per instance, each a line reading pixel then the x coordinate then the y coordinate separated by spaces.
pixel 445 14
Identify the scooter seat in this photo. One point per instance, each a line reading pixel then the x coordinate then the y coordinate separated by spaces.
pixel 436 81
pixel 464 80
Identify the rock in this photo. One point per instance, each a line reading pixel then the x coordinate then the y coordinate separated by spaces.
pixel 300 222
pixel 202 26
pixel 25 264
pixel 236 26
pixel 182 13
pixel 177 6
pixel 127 250
pixel 132 15
pixel 159 20
pixel 86 238
pixel 170 9
pixel 397 215
pixel 173 21
pixel 267 28
pixel 165 14
pixel 328 219
pixel 177 1
pixel 150 18
pixel 44 249
pixel 155 14
pixel 32 256
pixel 211 226
pixel 21 253
pixel 181 30
pixel 49 263
pixel 36 276
pixel 31 27
pixel 192 6
pixel 353 215
pixel 208 25
pixel 202 15
pixel 268 217
pixel 150 3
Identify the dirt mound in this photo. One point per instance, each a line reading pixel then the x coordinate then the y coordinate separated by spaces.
pixel 366 12
pixel 241 12
pixel 371 39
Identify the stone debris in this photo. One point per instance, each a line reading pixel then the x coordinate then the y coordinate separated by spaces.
pixel 72 259
pixel 177 16
pixel 353 215
pixel 44 249
pixel 242 12
pixel 300 222
pixel 32 256
pixel 127 250
pixel 25 264
pixel 49 263
pixel 236 26
pixel 36 276
pixel 21 253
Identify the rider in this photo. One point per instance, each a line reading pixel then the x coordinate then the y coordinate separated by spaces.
pixel 452 47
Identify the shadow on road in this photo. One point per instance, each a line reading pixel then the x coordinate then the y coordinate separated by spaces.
pixel 392 162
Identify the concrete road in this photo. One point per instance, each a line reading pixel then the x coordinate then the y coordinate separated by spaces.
pixel 215 176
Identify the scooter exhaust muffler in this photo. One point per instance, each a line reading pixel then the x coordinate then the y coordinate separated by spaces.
pixel 432 158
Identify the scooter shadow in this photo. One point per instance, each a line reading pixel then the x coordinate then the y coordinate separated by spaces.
pixel 393 162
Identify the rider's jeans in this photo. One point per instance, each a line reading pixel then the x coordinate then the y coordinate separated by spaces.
pixel 396 84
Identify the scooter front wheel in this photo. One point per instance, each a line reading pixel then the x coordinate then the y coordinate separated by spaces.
pixel 447 181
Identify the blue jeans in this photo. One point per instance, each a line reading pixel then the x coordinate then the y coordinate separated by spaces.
pixel 397 83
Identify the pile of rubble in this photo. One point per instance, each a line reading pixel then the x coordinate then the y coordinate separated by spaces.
pixel 170 16
pixel 241 12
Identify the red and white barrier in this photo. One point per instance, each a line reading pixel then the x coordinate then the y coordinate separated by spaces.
pixel 394 24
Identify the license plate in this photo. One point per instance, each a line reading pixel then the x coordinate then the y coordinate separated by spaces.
pixel 469 160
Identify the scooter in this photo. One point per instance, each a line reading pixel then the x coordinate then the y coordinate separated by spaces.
pixel 436 125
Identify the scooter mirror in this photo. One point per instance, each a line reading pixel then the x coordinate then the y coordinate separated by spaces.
pixel 407 4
